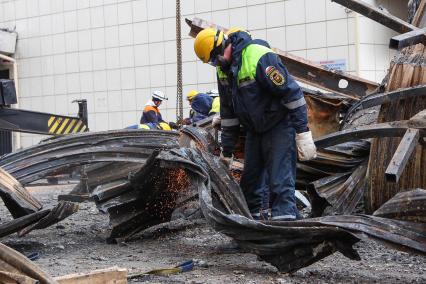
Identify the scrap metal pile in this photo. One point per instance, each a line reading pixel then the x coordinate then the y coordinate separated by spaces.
pixel 147 179
pixel 174 183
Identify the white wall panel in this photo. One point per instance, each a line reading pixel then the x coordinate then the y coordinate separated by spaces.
pixel 115 53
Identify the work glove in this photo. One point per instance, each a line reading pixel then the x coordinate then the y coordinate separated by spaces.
pixel 226 160
pixel 216 121
pixel 306 149
pixel 186 121
pixel 173 125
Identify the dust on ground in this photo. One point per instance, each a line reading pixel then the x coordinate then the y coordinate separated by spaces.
pixel 78 244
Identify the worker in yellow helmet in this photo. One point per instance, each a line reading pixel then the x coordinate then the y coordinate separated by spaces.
pixel 191 95
pixel 202 106
pixel 257 92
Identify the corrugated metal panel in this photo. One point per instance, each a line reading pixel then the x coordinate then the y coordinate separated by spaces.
pixel 5 142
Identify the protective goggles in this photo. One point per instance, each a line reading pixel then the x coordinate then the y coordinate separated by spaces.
pixel 217 50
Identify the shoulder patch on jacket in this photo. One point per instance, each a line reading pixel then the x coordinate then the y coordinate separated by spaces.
pixel 275 76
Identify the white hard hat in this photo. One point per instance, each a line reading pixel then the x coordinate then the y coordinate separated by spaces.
pixel 159 95
pixel 213 93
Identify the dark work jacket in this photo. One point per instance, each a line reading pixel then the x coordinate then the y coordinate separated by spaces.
pixel 257 92
pixel 151 114
pixel 201 104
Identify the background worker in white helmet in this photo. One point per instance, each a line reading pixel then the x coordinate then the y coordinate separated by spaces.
pixel 257 92
pixel 151 115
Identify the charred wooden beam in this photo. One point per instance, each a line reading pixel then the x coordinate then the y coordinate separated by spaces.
pixel 62 210
pixel 309 72
pixel 13 226
pixel 16 198
pixel 377 14
pixel 38 220
pixel 408 39
pixel 402 154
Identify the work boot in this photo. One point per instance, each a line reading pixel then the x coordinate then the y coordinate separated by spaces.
pixel 263 215
pixel 282 218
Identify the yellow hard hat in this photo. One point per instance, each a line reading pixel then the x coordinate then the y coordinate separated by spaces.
pixel 191 95
pixel 206 41
pixel 164 126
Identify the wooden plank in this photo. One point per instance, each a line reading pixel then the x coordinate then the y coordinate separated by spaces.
pixel 382 149
pixel 7 277
pixel 7 228
pixel 22 265
pixel 307 71
pixel 112 275
pixel 420 16
pixel 402 154
pixel 378 15
pixel 16 198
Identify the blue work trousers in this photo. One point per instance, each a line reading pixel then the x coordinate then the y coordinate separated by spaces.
pixel 274 153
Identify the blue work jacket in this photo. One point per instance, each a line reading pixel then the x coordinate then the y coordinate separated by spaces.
pixel 257 92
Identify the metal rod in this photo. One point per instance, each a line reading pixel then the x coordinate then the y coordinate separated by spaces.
pixel 389 129
pixel 402 154
pixel 398 95
pixel 179 83
pixel 309 72
pixel 377 14
pixel 408 39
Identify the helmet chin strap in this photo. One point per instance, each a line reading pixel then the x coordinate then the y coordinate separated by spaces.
pixel 220 59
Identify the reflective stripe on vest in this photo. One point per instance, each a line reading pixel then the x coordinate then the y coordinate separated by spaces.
pixel 247 73
pixel 295 104
pixel 228 122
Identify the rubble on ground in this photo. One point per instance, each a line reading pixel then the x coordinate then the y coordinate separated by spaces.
pixel 150 181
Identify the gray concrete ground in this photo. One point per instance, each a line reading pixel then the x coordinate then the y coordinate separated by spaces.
pixel 77 244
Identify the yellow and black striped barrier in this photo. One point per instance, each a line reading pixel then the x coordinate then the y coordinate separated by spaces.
pixel 59 125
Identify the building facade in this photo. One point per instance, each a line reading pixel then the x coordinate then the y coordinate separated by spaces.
pixel 114 53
